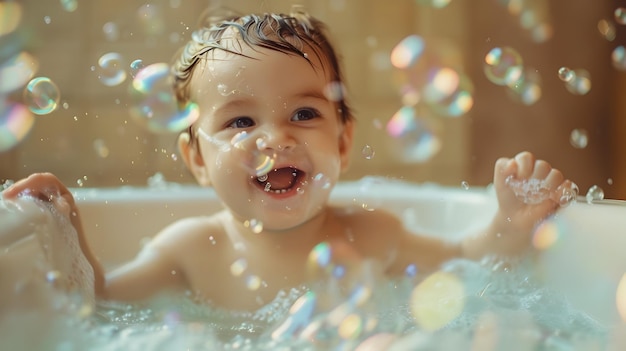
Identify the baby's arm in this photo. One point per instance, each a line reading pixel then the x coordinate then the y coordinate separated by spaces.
pixel 510 231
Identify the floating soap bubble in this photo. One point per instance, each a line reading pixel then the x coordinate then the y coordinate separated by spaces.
pixel 579 138
pixel 528 88
pixel 69 5
pixel 606 29
pixel 11 15
pixel 334 91
pixel 620 15
pixel 238 267
pixel 154 103
pixel 618 58
pixel 110 31
pixel 407 52
pixel 566 74
pixel 595 193
pixel 368 152
pixel 17 71
pixel 299 317
pixel 16 121
pixel 413 139
pixel 410 97
pixel 448 92
pixel 136 66
pixel 531 191
pixel 434 3
pixel 321 181
pixel 437 300
pixel 255 225
pixel 41 95
pixel 503 65
pixel 580 84
pixel 111 69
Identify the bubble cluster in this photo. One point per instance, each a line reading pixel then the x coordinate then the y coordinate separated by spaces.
pixel 531 191
pixel 136 66
pixel 16 121
pixel 368 152
pixel 41 95
pixel 413 140
pixel 154 103
pixel 111 70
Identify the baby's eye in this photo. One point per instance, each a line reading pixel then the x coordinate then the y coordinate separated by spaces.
pixel 241 122
pixel 305 114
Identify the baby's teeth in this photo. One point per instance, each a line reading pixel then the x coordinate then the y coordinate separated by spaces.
pixel 262 178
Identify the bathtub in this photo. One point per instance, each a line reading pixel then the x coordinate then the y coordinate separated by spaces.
pixel 586 267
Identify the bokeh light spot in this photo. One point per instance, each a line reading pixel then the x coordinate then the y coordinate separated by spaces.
pixel 16 121
pixel 437 300
pixel 41 95
pixel 407 52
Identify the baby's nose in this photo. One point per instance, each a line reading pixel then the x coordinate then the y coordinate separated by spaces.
pixel 275 138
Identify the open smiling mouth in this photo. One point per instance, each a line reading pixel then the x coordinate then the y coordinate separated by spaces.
pixel 280 180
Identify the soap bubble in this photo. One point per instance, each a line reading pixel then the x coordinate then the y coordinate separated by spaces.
pixel 16 121
pixel 17 71
pixel 606 29
pixel 580 84
pixel 448 92
pixel 618 58
pixel 111 32
pixel 368 152
pixel 407 52
pixel 566 74
pixel 620 15
pixel 41 95
pixel 136 66
pixel 568 194
pixel 69 5
pixel 579 138
pixel 111 69
pixel 531 191
pixel 154 103
pixel 595 193
pixel 413 139
pixel 238 267
pixel 11 14
pixel 503 65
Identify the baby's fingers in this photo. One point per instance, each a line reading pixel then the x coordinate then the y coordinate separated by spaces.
pixel 525 165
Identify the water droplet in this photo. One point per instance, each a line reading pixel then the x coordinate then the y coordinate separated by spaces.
pixel 465 185
pixel 41 95
pixel 47 19
pixel 368 152
pixel 568 194
pixel 111 32
pixel 606 29
pixel 566 74
pixel 595 193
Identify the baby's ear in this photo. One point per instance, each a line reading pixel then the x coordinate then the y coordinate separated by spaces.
pixel 192 157
pixel 345 144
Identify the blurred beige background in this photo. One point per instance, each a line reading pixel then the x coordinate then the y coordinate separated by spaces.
pixel 91 141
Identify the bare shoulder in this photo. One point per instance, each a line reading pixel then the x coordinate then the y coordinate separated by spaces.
pixel 188 232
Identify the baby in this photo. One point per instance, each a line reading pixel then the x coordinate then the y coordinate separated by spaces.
pixel 272 139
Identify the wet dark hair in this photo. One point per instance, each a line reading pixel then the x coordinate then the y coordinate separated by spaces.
pixel 289 34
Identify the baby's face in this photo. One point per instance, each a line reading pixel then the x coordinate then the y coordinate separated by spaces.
pixel 272 143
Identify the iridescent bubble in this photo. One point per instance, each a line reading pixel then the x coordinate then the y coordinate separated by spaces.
pixel 69 5
pixel 111 32
pixel 255 225
pixel 41 95
pixel 618 58
pixel 620 15
pixel 528 88
pixel 111 69
pixel 503 65
pixel 262 164
pixel 11 15
pixel 368 152
pixel 136 66
pixel 320 256
pixel 546 235
pixel 238 267
pixel 334 91
pixel 566 74
pixel 407 52
pixel 579 138
pixel 321 181
pixel 595 193
pixel 448 92
pixel 580 84
pixel 437 300
pixel 465 185
pixel 414 140
pixel 16 121
pixel 606 29
pixel 434 3
pixel 17 71
pixel 154 103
